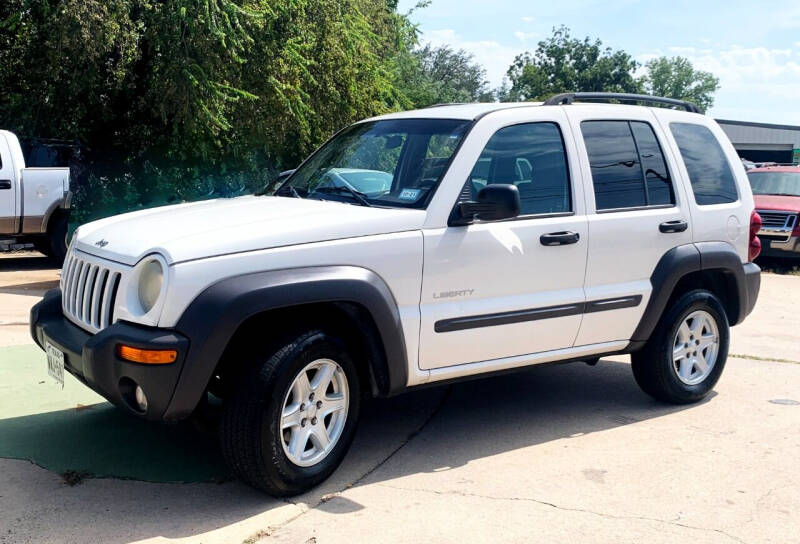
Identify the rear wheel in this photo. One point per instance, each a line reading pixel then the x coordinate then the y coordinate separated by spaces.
pixel 686 354
pixel 55 245
pixel 290 421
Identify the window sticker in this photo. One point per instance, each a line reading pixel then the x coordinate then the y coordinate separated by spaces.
pixel 409 194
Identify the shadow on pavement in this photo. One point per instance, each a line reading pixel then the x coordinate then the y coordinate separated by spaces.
pixel 102 441
pixel 33 289
pixel 450 426
pixel 32 261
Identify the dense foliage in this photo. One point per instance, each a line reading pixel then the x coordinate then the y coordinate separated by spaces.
pixel 189 92
pixel 675 77
pixel 562 63
pixel 437 75
pixel 181 99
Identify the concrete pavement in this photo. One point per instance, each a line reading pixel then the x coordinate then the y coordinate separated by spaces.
pixel 553 453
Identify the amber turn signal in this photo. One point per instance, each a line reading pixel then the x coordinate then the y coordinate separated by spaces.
pixel 147 356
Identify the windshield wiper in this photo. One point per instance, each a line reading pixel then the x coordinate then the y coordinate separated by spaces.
pixel 360 197
pixel 292 191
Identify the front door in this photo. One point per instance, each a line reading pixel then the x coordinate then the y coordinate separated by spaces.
pixel 493 290
pixel 8 212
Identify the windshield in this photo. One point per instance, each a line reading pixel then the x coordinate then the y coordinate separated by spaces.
pixel 396 163
pixel 775 183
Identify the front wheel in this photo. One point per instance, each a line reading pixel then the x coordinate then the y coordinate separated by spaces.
pixel 685 356
pixel 290 422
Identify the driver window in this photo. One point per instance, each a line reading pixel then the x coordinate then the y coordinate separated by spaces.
pixel 532 157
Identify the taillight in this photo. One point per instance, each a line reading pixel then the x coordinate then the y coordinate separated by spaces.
pixel 754 250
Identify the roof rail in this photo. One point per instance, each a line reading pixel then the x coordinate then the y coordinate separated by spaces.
pixel 440 104
pixel 569 98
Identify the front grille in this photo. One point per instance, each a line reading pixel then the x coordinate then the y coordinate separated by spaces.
pixel 89 288
pixel 777 220
pixel 777 225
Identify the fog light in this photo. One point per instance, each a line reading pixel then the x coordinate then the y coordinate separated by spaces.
pixel 141 398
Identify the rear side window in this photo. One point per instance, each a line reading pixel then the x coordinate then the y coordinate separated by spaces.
pixel 708 168
pixel 532 157
pixel 628 167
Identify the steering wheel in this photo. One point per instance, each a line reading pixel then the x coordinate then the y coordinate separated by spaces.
pixel 427 183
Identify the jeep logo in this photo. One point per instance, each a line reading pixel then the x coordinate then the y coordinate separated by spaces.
pixel 101 243
pixel 451 294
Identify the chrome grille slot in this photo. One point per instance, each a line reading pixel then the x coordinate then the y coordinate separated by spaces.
pixel 777 225
pixel 89 288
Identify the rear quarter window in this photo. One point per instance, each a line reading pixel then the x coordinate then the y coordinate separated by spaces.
pixel 709 171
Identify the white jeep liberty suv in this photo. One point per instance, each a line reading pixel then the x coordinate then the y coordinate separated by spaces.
pixel 411 249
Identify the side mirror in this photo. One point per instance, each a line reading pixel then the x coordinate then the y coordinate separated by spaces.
pixel 495 202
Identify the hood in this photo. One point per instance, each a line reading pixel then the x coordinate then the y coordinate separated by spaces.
pixel 777 202
pixel 214 227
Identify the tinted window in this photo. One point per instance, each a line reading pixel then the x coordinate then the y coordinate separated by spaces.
pixel 657 181
pixel 628 168
pixel 532 157
pixel 708 168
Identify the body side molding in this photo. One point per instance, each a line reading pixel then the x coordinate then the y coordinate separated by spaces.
pixel 535 314
pixel 213 317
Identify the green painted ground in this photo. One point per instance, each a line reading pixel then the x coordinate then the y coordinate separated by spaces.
pixel 75 430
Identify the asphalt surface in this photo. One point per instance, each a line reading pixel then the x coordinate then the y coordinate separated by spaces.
pixel 553 453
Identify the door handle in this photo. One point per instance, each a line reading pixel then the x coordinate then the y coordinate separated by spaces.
pixel 673 226
pixel 5 184
pixel 559 238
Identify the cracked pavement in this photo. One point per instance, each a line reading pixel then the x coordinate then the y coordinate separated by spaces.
pixel 553 453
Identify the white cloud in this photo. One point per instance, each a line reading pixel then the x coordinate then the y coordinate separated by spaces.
pixel 527 19
pixel 749 76
pixel 493 56
pixel 525 36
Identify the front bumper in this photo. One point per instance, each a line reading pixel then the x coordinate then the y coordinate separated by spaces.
pixel 93 359
pixel 770 247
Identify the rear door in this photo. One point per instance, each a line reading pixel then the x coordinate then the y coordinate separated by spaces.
pixel 8 190
pixel 720 197
pixel 636 213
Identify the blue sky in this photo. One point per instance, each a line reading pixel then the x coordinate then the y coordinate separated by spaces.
pixel 752 47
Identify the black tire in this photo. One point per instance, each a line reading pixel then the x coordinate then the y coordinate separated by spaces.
pixel 43 246
pixel 653 366
pixel 249 430
pixel 57 238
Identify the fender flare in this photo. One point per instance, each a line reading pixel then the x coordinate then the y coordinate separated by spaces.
pixel 213 317
pixel 682 260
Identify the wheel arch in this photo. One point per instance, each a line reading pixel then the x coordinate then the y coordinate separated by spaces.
pixel 714 266
pixel 215 316
pixel 54 211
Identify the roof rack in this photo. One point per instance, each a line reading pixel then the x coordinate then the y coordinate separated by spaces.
pixel 440 104
pixel 569 98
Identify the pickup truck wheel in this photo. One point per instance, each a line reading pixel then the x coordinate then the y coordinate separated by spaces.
pixel 57 239
pixel 289 423
pixel 686 354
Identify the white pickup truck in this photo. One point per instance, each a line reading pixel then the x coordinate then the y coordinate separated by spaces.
pixel 34 202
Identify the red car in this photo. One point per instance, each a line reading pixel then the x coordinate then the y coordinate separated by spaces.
pixel 776 190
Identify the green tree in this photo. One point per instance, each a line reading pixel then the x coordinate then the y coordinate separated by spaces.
pixel 179 98
pixel 562 64
pixel 434 75
pixel 676 78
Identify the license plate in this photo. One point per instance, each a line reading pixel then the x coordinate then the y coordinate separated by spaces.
pixel 55 363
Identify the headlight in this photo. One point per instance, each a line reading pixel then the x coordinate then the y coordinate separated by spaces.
pixel 151 278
